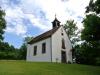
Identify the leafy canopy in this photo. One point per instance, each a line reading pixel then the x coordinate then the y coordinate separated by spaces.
pixel 94 6
pixel 72 31
pixel 91 31
pixel 90 49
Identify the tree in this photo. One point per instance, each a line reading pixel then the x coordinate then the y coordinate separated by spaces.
pixel 2 24
pixel 91 31
pixel 94 6
pixel 71 30
pixel 27 39
pixel 91 36
pixel 90 49
pixel 23 48
pixel 8 51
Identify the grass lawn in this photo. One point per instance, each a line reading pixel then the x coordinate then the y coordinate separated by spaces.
pixel 33 68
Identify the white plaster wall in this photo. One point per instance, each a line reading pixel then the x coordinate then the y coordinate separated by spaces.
pixel 57 43
pixel 40 57
pixel 56 46
pixel 68 45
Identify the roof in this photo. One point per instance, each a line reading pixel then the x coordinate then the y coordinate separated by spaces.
pixel 44 35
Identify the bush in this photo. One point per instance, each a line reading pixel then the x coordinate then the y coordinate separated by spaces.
pixel 98 61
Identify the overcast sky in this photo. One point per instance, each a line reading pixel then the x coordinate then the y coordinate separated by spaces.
pixel 33 17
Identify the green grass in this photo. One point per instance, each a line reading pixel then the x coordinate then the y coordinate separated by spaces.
pixel 33 68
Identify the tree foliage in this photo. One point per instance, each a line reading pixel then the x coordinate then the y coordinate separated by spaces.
pixel 2 24
pixel 94 6
pixel 89 52
pixel 91 36
pixel 8 51
pixel 70 27
pixel 71 30
pixel 91 31
pixel 23 48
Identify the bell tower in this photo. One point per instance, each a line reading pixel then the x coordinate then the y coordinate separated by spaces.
pixel 55 23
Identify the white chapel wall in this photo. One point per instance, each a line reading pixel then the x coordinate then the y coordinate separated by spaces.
pixel 57 43
pixel 46 57
pixel 68 46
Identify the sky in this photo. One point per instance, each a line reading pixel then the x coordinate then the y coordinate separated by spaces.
pixel 33 17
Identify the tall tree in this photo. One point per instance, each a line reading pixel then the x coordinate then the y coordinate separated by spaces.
pixel 2 24
pixel 91 35
pixel 23 48
pixel 91 31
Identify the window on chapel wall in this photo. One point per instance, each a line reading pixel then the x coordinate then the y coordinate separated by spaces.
pixel 63 44
pixel 35 50
pixel 43 47
pixel 62 32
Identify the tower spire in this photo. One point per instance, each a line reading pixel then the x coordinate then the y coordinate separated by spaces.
pixel 56 22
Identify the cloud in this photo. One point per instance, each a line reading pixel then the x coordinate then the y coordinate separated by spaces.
pixel 15 24
pixel 18 29
pixel 36 14
pixel 40 13
pixel 16 14
pixel 36 22
pixel 64 9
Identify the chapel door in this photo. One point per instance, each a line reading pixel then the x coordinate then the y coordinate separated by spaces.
pixel 63 56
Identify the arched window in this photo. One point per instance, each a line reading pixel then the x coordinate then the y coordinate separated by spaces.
pixel 62 32
pixel 63 44
pixel 43 47
pixel 35 50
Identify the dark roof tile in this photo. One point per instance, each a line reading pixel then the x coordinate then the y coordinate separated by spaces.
pixel 43 36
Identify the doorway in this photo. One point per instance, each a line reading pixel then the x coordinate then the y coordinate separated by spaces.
pixel 63 56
